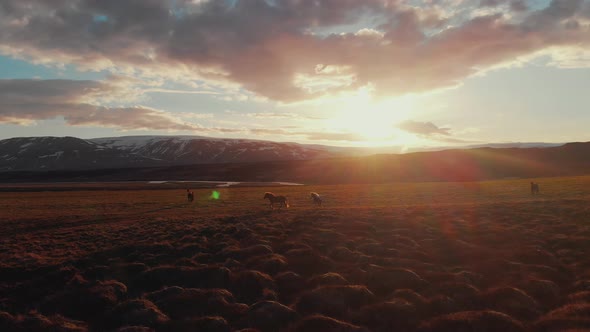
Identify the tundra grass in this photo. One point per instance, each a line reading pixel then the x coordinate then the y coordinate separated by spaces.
pixel 443 249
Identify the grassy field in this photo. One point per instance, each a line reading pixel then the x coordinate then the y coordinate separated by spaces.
pixel 483 256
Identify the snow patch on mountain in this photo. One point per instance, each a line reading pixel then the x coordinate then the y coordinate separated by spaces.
pixel 55 155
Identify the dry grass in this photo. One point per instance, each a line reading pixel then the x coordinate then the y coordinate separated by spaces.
pixel 430 255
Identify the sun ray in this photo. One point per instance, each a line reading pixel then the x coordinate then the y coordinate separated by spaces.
pixel 374 120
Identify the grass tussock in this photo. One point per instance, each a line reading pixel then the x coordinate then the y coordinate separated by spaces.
pixel 482 256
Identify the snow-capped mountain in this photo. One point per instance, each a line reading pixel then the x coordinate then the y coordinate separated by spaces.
pixel 51 153
pixel 196 150
pixel 54 153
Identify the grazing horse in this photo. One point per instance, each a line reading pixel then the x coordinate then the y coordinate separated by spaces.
pixel 190 196
pixel 316 198
pixel 534 188
pixel 281 200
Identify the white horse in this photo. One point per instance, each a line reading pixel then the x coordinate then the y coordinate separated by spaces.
pixel 272 198
pixel 316 198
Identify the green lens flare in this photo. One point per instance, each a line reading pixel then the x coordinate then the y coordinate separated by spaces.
pixel 215 194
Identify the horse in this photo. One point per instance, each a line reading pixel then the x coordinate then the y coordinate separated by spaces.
pixel 281 200
pixel 316 198
pixel 534 188
pixel 190 196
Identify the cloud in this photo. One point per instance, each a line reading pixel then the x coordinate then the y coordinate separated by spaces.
pixel 274 48
pixel 333 136
pixel 175 91
pixel 191 115
pixel 281 115
pixel 94 103
pixel 455 140
pixel 575 57
pixel 423 128
pixel 127 118
pixel 433 132
pixel 80 103
pixel 310 135
pixel 267 131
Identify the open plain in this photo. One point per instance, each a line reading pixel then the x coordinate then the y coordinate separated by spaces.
pixel 462 256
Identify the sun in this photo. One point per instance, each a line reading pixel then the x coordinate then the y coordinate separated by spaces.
pixel 374 121
pixel 367 125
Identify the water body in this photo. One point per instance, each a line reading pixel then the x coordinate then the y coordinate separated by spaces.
pixel 132 185
pixel 221 184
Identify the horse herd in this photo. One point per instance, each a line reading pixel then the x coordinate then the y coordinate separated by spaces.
pixel 281 201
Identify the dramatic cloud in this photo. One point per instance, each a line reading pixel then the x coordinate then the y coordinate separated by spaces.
pixel 291 50
pixel 24 101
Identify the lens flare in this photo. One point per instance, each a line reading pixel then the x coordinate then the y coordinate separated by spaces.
pixel 215 194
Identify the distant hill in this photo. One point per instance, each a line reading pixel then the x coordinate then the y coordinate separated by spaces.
pixel 52 153
pixel 70 153
pixel 323 166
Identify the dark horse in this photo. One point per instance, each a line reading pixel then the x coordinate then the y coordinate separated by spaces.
pixel 190 196
pixel 281 200
pixel 534 188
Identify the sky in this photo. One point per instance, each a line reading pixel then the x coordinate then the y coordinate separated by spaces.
pixel 334 72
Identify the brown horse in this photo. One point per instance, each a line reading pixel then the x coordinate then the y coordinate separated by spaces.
pixel 316 198
pixel 272 198
pixel 190 196
pixel 534 188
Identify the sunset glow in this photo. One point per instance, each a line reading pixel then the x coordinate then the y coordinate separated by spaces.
pixel 344 73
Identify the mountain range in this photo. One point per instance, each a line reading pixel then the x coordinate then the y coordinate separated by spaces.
pixel 71 153
pixel 145 158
